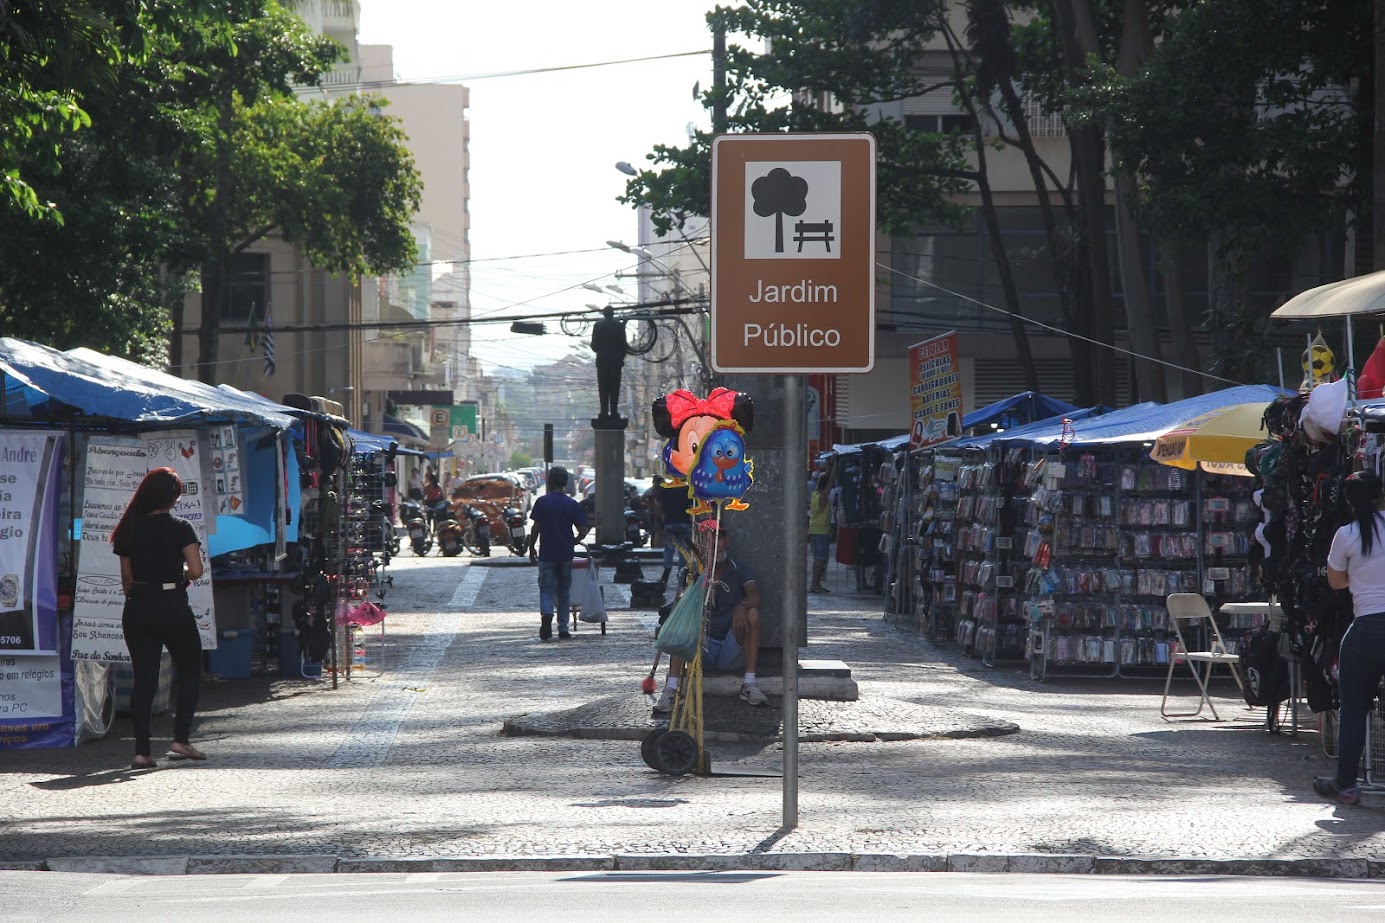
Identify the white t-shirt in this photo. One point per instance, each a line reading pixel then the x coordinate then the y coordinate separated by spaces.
pixel 1365 575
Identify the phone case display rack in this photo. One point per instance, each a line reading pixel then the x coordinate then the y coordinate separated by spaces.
pixel 1111 535
pixel 935 500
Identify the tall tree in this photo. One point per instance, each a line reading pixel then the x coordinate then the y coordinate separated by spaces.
pixel 1251 145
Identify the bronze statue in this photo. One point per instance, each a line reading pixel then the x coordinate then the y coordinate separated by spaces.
pixel 608 342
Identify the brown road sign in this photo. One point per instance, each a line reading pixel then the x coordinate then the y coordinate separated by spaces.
pixel 793 253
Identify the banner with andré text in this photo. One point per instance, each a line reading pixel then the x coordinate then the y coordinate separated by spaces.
pixel 30 475
pixel 115 466
pixel 935 391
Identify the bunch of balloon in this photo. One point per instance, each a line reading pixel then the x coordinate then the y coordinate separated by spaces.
pixel 706 446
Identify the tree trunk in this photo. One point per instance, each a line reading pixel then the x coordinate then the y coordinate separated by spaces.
pixel 1185 351
pixel 1078 38
pixel 1136 44
pixel 1377 173
pixel 209 327
pixel 1139 305
pixel 1059 246
pixel 175 302
pixel 214 269
pixel 1002 258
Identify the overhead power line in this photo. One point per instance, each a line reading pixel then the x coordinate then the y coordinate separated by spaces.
pixel 491 75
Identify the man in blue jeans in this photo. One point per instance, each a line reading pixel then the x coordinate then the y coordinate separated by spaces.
pixel 559 524
pixel 674 503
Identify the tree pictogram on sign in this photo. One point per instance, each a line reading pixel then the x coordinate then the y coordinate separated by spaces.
pixel 779 193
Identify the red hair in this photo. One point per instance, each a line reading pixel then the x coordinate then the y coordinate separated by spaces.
pixel 159 490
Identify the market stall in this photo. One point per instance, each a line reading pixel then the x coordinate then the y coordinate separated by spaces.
pixel 115 420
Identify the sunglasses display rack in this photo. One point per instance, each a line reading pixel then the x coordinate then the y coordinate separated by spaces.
pixel 935 600
pixel 1002 628
pixel 974 531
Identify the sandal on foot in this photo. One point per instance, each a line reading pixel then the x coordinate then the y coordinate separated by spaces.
pixel 188 752
pixel 144 762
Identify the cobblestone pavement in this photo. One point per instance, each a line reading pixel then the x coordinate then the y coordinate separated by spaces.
pixel 412 763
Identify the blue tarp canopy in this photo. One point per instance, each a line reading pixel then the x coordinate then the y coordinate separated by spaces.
pixel 1152 421
pixel 42 383
pixel 1021 433
pixel 1018 409
pixel 1023 408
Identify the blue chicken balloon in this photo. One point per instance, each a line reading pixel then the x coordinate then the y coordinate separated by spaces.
pixel 721 471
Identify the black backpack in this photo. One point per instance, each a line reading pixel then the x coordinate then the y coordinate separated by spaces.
pixel 1267 675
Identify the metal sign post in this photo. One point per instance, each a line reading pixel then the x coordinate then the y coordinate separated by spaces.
pixel 795 534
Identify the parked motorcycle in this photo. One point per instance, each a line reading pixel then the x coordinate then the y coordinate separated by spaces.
pixel 447 528
pixel 384 519
pixel 415 523
pixel 518 539
pixel 477 534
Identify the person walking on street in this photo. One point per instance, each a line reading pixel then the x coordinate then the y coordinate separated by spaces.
pixel 159 556
pixel 673 506
pixel 820 530
pixel 1356 561
pixel 559 524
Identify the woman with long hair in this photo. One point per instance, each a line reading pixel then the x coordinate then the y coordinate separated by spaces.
pixel 1357 562
pixel 159 556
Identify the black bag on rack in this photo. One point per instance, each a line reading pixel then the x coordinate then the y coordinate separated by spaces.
pixel 1267 675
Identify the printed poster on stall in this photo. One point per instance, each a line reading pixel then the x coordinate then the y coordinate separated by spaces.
pixel 30 472
pixel 935 391
pixel 115 467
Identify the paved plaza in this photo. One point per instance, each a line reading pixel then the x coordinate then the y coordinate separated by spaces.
pixel 410 763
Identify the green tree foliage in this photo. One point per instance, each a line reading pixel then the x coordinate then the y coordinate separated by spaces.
pixel 853 54
pixel 192 147
pixel 1248 126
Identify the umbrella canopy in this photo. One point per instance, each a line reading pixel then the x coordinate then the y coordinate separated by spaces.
pixel 1217 440
pixel 1361 295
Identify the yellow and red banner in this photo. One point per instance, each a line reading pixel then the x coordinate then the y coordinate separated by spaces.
pixel 935 391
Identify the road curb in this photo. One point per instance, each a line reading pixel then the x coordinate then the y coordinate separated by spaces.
pixel 989 863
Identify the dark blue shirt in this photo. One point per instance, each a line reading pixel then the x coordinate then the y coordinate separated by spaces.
pixel 728 593
pixel 556 515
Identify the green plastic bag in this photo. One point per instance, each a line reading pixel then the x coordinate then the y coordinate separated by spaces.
pixel 682 630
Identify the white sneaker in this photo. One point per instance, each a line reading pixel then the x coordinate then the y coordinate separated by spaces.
pixel 665 704
pixel 751 694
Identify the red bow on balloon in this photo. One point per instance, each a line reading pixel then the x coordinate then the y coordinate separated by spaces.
pixel 683 404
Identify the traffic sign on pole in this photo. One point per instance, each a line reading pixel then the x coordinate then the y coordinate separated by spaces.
pixel 793 253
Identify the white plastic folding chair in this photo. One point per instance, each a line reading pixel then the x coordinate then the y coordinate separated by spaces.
pixel 1191 609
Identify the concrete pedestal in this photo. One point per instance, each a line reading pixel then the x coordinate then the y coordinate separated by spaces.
pixel 610 479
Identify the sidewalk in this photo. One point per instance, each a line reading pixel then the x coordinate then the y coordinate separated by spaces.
pixel 412 765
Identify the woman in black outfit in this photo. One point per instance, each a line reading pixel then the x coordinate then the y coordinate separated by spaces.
pixel 159 556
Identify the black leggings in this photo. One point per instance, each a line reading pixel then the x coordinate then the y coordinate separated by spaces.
pixel 152 621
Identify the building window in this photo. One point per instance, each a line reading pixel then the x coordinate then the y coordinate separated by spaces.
pixel 938 124
pixel 247 286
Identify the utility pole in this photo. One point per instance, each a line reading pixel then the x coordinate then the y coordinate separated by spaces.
pixel 719 76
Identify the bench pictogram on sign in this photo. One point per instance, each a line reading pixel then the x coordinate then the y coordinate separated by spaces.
pixel 818 232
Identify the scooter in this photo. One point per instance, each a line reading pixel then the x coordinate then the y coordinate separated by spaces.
pixel 384 518
pixel 411 515
pixel 477 535
pixel 447 529
pixel 518 541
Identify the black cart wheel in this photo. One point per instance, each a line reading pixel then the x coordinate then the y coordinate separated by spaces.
pixel 676 753
pixel 651 740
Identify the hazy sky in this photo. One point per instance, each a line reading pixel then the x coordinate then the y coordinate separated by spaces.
pixel 544 146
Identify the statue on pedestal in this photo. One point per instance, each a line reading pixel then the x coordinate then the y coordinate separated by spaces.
pixel 610 346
